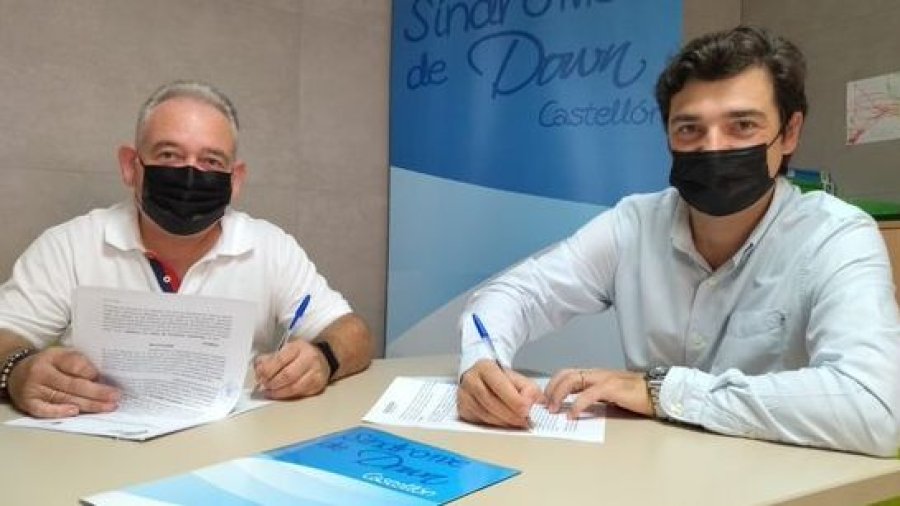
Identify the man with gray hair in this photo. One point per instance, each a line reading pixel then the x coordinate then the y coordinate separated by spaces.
pixel 176 235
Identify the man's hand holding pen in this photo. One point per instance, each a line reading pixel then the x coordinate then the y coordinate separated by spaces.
pixel 493 394
pixel 296 370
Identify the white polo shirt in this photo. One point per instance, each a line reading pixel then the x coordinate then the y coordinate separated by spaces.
pixel 796 338
pixel 253 260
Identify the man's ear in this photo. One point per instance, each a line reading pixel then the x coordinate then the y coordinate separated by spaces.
pixel 238 174
pixel 791 135
pixel 128 165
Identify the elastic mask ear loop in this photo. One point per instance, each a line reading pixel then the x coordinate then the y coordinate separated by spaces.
pixel 778 135
pixel 139 196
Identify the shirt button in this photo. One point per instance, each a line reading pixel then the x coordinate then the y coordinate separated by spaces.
pixel 698 340
pixel 167 279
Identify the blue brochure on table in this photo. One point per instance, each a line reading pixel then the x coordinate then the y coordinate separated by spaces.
pixel 356 466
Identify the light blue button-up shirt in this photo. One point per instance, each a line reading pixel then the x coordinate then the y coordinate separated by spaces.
pixel 796 338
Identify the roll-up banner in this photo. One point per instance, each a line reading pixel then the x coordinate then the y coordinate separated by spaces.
pixel 512 123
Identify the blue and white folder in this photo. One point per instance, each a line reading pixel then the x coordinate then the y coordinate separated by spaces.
pixel 354 466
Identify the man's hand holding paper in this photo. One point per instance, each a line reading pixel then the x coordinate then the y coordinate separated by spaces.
pixel 60 382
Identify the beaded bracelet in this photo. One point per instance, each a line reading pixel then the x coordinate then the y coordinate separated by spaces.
pixel 11 361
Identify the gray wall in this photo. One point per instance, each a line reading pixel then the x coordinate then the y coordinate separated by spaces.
pixel 702 16
pixel 308 77
pixel 843 41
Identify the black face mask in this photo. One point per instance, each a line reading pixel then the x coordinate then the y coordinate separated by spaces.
pixel 723 182
pixel 184 200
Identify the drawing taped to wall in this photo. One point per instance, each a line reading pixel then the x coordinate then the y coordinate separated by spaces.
pixel 873 109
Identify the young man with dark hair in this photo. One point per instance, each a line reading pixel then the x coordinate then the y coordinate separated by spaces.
pixel 744 307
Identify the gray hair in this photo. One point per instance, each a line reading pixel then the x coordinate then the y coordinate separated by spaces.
pixel 197 90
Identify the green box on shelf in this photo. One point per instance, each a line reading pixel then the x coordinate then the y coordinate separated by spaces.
pixel 810 179
pixel 878 209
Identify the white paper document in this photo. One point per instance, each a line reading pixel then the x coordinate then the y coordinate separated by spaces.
pixel 178 360
pixel 430 402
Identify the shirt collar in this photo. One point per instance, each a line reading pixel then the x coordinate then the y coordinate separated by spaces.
pixel 236 239
pixel 784 191
pixel 681 227
pixel 682 239
pixel 122 232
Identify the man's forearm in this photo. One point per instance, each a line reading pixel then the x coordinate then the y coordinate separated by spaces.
pixel 812 406
pixel 10 342
pixel 351 343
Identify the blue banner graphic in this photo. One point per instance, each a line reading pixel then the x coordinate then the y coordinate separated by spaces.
pixel 517 106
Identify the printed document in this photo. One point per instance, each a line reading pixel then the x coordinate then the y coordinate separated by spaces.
pixel 178 360
pixel 430 402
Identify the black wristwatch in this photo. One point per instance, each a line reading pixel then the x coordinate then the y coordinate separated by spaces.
pixel 328 353
pixel 654 378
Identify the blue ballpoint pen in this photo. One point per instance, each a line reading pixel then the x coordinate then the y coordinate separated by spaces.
pixel 290 328
pixel 486 338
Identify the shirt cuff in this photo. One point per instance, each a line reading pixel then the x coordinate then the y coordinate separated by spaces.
pixel 683 395
pixel 470 355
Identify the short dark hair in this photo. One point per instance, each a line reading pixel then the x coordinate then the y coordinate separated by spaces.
pixel 724 54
